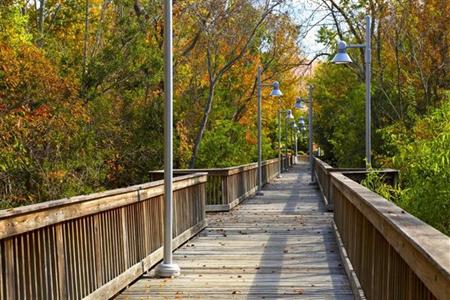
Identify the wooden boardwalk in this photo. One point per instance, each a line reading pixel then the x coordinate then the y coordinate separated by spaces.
pixel 280 245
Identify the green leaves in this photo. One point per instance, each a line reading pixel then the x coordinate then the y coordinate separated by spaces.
pixel 226 145
pixel 339 115
pixel 424 163
pixel 13 26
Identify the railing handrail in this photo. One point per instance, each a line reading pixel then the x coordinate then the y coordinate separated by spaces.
pixel 329 168
pixel 221 171
pixel 322 164
pixel 396 225
pixel 17 220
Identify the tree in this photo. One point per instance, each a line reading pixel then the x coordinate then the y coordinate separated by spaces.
pixel 224 45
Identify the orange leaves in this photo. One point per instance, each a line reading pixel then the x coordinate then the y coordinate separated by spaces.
pixel 42 111
pixel 250 137
pixel 57 175
pixel 185 146
pixel 28 78
pixel 41 117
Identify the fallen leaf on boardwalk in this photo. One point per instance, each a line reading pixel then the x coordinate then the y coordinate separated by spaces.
pixel 234 292
pixel 299 291
pixel 285 251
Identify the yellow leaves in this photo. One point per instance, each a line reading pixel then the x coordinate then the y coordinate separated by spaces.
pixel 57 175
pixel 185 145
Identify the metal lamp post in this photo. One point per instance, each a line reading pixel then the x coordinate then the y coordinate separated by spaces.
pixel 300 104
pixel 289 118
pixel 310 144
pixel 168 268
pixel 295 131
pixel 276 93
pixel 343 58
pixel 280 162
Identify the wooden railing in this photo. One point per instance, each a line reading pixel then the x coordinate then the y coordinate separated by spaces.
pixel 323 171
pixel 227 187
pixel 393 254
pixel 93 246
pixel 322 174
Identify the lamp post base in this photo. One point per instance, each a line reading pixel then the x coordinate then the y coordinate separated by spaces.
pixel 279 176
pixel 168 270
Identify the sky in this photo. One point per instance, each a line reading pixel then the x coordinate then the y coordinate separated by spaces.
pixel 308 13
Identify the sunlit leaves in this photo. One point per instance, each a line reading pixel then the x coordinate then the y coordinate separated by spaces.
pixel 424 163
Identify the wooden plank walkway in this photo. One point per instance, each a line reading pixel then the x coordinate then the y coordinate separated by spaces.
pixel 280 245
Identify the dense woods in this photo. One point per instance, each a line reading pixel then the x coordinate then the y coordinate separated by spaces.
pixel 410 99
pixel 81 91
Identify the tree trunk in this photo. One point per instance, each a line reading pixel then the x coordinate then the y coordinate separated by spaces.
pixel 203 124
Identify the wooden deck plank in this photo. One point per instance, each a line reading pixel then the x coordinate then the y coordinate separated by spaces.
pixel 280 245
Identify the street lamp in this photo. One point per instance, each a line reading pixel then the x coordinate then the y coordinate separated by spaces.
pixel 343 58
pixel 275 93
pixel 310 124
pixel 301 121
pixel 167 268
pixel 298 103
pixel 289 115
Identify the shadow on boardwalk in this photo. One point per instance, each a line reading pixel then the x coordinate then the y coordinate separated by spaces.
pixel 279 245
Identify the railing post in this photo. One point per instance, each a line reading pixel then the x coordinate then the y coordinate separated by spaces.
pixel 10 274
pixel 61 265
pixel 224 180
